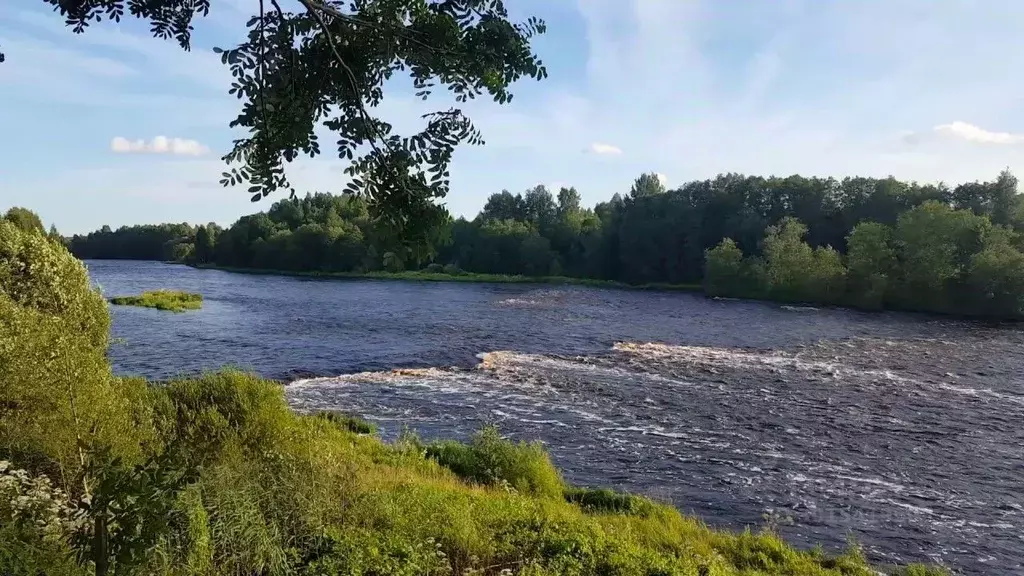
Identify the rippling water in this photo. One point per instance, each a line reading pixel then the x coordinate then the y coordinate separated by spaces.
pixel 905 431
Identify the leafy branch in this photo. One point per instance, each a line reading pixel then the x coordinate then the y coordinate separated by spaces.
pixel 326 65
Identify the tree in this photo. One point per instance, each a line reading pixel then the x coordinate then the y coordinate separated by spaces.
pixel 726 271
pixel 935 245
pixel 996 280
pixel 647 185
pixel 326 65
pixel 871 261
pixel 788 259
pixel 568 201
pixel 540 208
pixel 25 220
pixel 204 247
pixel 504 206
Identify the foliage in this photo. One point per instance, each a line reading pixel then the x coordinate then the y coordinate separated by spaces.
pixel 862 242
pixel 872 263
pixel 55 382
pixel 25 219
pixel 145 242
pixel 934 259
pixel 606 500
pixel 727 272
pixel 655 237
pixel 168 300
pixel 349 422
pixel 490 459
pixel 327 64
pixel 34 518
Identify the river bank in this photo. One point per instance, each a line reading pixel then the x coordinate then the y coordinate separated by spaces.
pixel 470 277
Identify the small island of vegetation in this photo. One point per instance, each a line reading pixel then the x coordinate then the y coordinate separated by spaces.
pixel 168 300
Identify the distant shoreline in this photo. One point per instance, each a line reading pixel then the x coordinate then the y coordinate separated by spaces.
pixel 466 277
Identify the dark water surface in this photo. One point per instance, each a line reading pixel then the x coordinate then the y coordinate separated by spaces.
pixel 905 431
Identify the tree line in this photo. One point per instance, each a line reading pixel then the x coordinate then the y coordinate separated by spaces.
pixel 867 242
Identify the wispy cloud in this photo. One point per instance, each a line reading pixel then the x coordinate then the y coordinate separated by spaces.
pixel 972 133
pixel 159 145
pixel 605 149
pixel 964 132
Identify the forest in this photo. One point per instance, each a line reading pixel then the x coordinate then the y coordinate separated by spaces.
pixel 864 242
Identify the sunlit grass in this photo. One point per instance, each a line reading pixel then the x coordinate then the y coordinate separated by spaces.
pixel 169 300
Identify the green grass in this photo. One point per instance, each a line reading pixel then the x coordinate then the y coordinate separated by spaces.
pixel 473 277
pixel 169 300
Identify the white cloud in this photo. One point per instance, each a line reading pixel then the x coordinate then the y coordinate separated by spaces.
pixel 605 149
pixel 972 133
pixel 159 145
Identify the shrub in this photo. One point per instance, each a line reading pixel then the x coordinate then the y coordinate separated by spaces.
pixel 349 422
pixel 606 500
pixel 434 268
pixel 491 459
pixel 207 413
pixel 56 389
pixel 727 272
pixel 453 270
pixel 25 219
pixel 392 262
pixel 35 520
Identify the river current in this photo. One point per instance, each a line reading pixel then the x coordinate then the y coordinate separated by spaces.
pixel 904 432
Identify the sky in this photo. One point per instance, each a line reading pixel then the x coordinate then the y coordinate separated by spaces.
pixel 115 127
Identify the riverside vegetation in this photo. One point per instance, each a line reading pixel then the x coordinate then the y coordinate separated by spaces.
pixel 170 300
pixel 863 242
pixel 215 475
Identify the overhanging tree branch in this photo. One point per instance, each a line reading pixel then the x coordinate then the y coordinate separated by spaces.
pixel 326 66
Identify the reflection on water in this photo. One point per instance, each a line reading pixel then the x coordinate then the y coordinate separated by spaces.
pixel 904 431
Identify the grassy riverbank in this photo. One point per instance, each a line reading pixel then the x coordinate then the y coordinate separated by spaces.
pixel 168 300
pixel 424 276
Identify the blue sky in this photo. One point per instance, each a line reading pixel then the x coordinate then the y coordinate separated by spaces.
pixel 114 127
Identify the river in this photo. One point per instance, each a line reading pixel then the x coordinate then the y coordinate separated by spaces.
pixel 904 431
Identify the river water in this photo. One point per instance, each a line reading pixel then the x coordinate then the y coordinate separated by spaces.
pixel 905 432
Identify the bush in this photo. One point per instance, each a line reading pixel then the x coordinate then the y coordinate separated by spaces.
pixel 434 268
pixel 490 459
pixel 728 273
pixel 453 270
pixel 56 389
pixel 606 500
pixel 392 262
pixel 35 517
pixel 353 424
